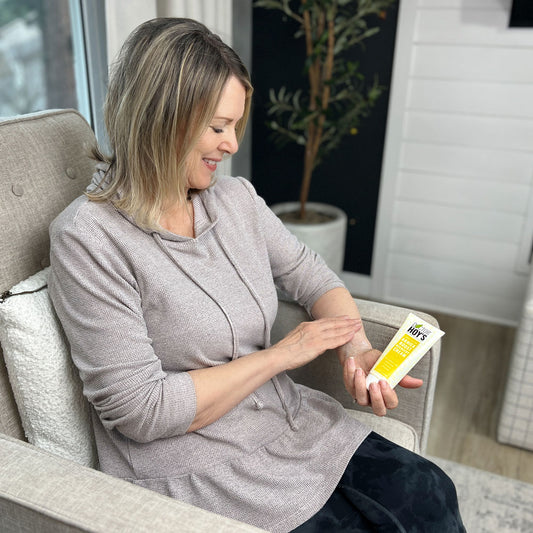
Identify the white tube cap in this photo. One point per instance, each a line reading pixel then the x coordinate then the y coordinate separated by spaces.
pixel 371 379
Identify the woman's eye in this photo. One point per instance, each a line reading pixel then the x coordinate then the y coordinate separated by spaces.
pixel 217 130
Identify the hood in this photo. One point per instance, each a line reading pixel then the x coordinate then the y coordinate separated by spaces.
pixel 205 213
pixel 100 179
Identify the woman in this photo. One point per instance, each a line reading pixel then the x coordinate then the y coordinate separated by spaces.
pixel 165 282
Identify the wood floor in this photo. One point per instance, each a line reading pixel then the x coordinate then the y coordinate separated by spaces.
pixel 471 382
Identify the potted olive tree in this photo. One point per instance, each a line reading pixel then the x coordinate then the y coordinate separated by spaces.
pixel 329 107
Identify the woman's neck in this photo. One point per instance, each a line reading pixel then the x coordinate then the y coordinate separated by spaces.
pixel 179 219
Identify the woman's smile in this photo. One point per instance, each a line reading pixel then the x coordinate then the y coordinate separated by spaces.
pixel 211 164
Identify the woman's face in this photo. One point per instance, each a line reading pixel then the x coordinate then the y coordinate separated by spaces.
pixel 219 138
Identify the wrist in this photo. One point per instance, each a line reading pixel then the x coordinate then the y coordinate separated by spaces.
pixel 355 347
pixel 277 359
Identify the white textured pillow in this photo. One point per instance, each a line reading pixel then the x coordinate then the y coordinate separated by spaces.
pixel 45 383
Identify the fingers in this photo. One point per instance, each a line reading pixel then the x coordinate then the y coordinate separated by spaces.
pixel 337 331
pixel 409 382
pixel 328 333
pixel 380 396
pixel 354 380
pixel 335 323
pixel 310 339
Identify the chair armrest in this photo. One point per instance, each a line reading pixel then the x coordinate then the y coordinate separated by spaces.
pixel 381 321
pixel 43 492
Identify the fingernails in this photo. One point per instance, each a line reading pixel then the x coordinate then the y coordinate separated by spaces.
pixel 384 384
pixel 359 372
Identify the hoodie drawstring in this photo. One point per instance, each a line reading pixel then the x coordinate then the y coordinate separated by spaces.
pixel 275 380
pixel 167 252
pixel 258 403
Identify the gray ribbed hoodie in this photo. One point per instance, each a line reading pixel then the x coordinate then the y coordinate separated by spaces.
pixel 141 308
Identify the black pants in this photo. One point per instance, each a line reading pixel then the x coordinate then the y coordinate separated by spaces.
pixel 387 488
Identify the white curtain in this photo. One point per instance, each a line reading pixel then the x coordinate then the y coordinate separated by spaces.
pixel 122 16
pixel 215 14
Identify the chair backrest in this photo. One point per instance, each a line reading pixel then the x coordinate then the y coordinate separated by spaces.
pixel 45 165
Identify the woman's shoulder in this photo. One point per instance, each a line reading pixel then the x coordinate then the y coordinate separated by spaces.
pixel 225 185
pixel 83 216
pixel 234 192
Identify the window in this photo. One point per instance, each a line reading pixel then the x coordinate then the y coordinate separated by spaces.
pixel 52 55
pixel 36 56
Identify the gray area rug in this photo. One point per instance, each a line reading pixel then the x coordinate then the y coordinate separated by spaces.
pixel 490 503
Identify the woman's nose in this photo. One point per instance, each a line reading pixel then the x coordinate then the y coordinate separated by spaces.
pixel 230 144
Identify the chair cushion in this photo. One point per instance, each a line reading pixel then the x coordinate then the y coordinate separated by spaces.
pixel 45 383
pixel 394 430
pixel 56 417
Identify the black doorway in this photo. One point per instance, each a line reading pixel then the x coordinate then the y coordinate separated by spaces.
pixel 350 177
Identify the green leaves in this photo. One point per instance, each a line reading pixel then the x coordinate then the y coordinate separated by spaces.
pixel 350 101
pixel 281 5
pixel 290 117
pixel 337 97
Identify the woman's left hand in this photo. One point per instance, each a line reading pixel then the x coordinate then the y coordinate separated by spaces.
pixel 380 396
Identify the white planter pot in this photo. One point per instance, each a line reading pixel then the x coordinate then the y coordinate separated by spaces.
pixel 328 239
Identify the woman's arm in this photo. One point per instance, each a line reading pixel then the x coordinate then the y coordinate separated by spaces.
pixel 357 356
pixel 220 388
pixel 298 271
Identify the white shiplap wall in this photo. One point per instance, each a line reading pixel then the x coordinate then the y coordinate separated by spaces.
pixel 455 215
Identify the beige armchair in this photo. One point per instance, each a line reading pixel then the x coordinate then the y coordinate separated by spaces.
pixel 44 167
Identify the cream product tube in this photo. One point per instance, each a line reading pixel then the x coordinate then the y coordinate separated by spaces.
pixel 413 340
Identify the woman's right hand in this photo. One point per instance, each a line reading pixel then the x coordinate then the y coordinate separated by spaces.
pixel 311 339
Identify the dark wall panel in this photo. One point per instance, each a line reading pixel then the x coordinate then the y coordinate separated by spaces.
pixel 350 177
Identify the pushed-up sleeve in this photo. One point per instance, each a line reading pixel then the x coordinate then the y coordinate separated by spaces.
pixel 98 303
pixel 297 270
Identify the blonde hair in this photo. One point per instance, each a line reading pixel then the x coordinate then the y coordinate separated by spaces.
pixel 162 94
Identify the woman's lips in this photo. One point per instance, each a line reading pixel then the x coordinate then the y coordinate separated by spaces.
pixel 211 164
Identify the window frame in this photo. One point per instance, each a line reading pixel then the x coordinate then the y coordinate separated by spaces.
pixel 91 70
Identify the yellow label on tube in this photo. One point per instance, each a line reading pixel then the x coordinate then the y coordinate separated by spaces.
pixel 396 356
pixel 414 338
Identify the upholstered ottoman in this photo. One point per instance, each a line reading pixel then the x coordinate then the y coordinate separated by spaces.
pixel 516 418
